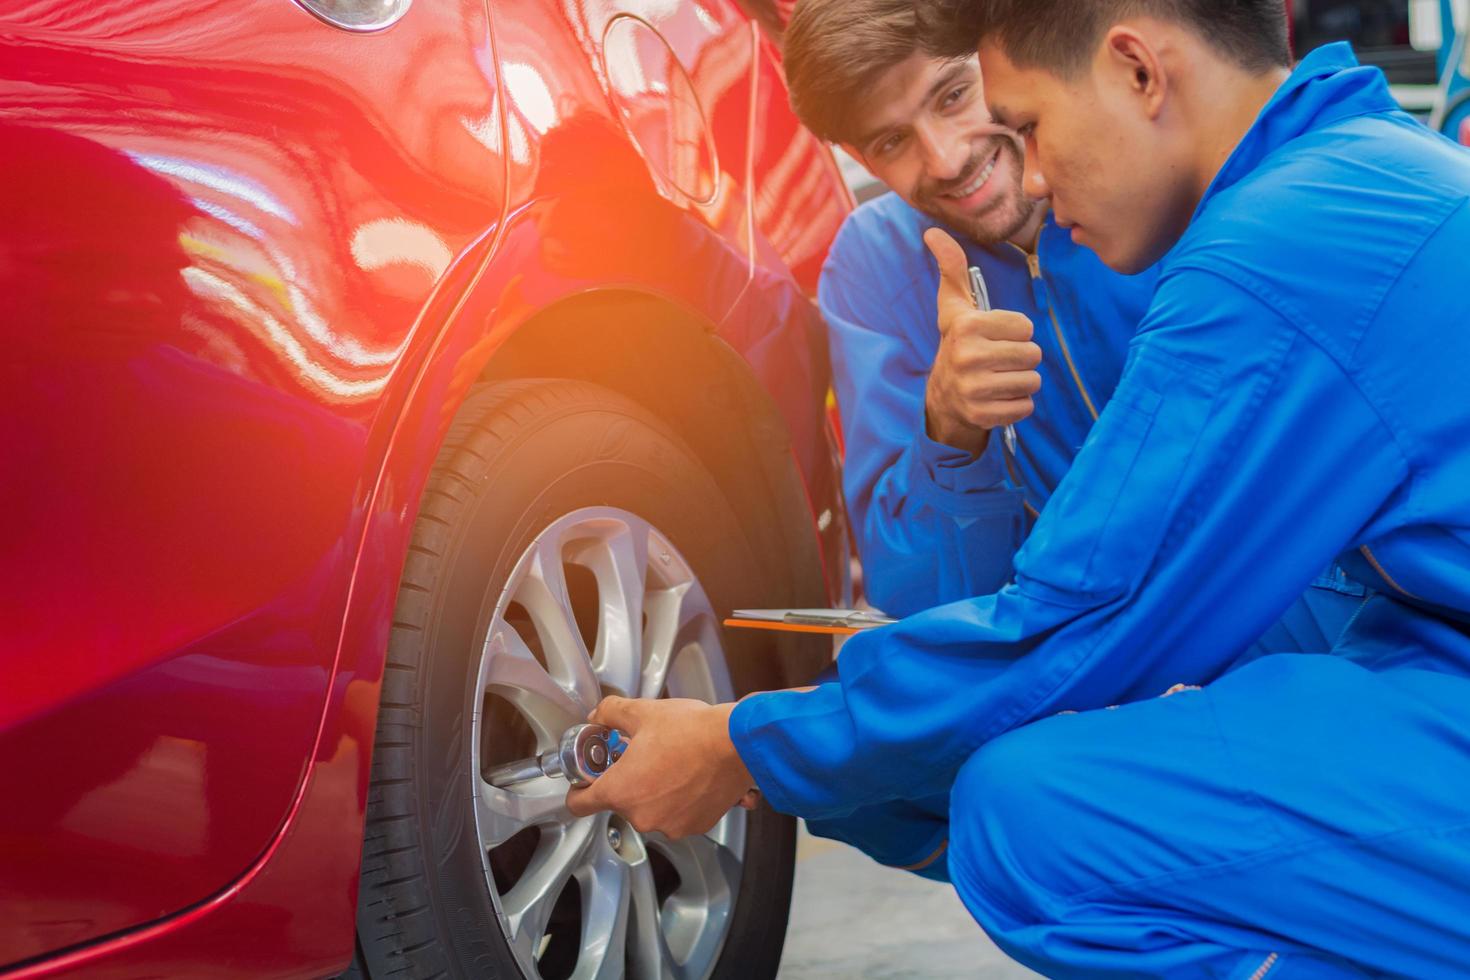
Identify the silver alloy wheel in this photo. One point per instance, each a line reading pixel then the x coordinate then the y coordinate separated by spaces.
pixel 649 907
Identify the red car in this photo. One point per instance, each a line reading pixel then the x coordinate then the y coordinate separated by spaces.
pixel 384 382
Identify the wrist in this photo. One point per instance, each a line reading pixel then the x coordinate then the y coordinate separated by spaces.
pixel 727 756
pixel 961 436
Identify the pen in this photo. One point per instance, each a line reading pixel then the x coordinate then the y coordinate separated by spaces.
pixel 981 295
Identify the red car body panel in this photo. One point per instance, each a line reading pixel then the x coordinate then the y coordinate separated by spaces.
pixel 251 264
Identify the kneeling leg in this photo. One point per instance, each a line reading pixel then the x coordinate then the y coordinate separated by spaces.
pixel 1302 816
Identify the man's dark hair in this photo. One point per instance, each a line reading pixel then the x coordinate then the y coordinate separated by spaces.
pixel 834 51
pixel 1061 36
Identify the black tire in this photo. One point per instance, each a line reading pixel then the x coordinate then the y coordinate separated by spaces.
pixel 520 455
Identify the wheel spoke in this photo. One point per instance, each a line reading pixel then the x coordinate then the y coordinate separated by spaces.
pixel 647 952
pixel 705 864
pixel 528 905
pixel 729 833
pixel 715 673
pixel 605 901
pixel 514 672
pixel 696 665
pixel 501 814
pixel 619 560
pixel 543 593
pixel 649 957
pixel 696 915
pixel 664 610
pixel 672 614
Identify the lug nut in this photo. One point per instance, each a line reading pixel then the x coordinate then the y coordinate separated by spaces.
pixel 614 838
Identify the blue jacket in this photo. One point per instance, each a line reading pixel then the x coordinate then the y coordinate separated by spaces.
pixel 933 524
pixel 1296 393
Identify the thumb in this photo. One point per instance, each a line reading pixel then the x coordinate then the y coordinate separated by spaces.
pixel 624 714
pixel 954 272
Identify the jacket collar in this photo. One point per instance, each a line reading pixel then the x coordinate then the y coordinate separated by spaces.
pixel 1327 86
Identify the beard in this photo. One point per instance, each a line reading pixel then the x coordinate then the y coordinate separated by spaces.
pixel 1003 217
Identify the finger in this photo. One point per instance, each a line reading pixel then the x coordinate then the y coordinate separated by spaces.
pixel 586 800
pixel 750 800
pixel 1000 325
pixel 624 714
pixel 994 355
pixel 1002 387
pixel 954 274
pixel 994 414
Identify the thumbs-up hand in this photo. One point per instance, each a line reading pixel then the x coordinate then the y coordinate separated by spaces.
pixel 985 372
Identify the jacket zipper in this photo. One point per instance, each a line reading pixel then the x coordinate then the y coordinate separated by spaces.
pixel 1033 264
pixel 1265 966
pixel 1013 468
pixel 1383 572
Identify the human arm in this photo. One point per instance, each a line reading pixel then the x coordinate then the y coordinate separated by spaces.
pixel 933 522
pixel 1235 461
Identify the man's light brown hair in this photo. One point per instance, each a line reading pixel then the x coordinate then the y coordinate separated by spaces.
pixel 835 51
pixel 1061 36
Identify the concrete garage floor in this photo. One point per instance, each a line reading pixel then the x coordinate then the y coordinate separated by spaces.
pixel 852 920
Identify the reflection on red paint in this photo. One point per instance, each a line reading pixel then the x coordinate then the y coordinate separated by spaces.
pixel 249 264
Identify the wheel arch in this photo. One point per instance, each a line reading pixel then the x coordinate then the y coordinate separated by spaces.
pixel 634 340
pixel 669 360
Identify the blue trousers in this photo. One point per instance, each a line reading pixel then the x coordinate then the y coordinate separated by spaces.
pixel 1302 816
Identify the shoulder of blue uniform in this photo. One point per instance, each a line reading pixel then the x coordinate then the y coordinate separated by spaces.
pixel 880 247
pixel 879 219
pixel 1327 225
pixel 1332 208
pixel 1327 89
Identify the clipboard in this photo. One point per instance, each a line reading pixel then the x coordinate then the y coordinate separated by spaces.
pixel 830 622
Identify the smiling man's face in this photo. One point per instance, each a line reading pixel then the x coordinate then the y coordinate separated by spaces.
pixel 925 132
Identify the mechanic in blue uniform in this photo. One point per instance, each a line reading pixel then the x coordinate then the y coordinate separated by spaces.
pixel 937 515
pixel 1295 393
pixel 938 506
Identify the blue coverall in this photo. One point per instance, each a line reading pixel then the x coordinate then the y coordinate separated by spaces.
pixel 934 524
pixel 1295 394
